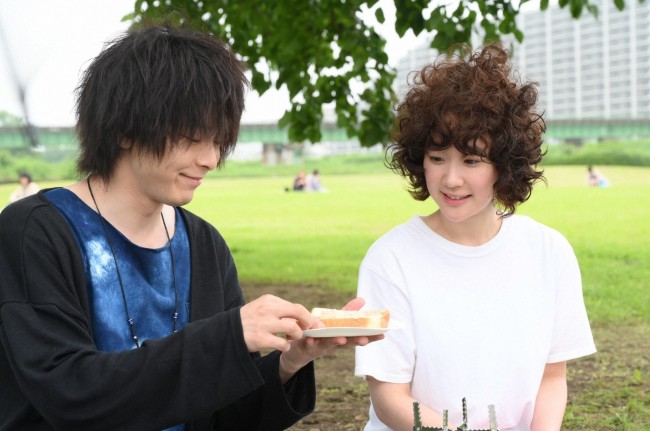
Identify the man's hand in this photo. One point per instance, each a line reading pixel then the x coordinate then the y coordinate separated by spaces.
pixel 305 350
pixel 266 319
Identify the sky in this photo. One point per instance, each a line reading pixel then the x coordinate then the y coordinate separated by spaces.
pixel 46 45
pixel 49 44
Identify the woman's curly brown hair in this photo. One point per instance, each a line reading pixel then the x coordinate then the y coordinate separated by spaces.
pixel 460 99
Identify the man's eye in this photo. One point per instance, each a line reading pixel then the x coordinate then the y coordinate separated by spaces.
pixel 190 139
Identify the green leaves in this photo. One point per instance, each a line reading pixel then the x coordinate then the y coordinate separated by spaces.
pixel 409 16
pixel 576 6
pixel 324 52
pixel 321 51
pixel 259 82
pixel 379 15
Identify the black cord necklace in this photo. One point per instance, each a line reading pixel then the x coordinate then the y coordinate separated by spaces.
pixel 119 276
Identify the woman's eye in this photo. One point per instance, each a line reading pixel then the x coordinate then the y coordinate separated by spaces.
pixel 472 161
pixel 435 159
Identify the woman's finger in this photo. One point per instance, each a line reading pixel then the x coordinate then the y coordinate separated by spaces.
pixel 355 304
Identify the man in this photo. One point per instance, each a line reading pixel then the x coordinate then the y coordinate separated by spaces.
pixel 119 309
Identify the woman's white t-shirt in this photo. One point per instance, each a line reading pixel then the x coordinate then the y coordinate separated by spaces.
pixel 478 322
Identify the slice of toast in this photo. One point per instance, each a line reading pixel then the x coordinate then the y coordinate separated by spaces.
pixel 333 318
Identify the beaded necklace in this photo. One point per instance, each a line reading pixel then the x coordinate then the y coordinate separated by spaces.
pixel 130 321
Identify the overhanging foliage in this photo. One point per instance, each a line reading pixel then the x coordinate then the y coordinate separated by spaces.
pixel 324 52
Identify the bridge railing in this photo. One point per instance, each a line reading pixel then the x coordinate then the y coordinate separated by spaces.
pixel 63 139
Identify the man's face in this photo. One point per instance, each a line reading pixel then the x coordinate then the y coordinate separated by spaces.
pixel 173 179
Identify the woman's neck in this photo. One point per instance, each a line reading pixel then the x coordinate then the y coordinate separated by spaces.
pixel 471 232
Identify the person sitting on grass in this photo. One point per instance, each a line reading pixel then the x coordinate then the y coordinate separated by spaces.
pixel 595 178
pixel 314 183
pixel 26 187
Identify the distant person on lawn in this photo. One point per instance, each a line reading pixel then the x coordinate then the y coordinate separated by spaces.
pixel 26 187
pixel 300 181
pixel 595 178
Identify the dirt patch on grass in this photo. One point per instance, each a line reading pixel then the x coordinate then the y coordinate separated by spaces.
pixel 607 391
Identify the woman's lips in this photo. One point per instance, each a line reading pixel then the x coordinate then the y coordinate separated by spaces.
pixel 454 200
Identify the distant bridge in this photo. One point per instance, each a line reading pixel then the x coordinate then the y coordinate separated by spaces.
pixel 564 130
pixel 598 129
pixel 63 138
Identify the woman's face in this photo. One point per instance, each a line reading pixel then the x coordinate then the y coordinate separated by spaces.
pixel 461 185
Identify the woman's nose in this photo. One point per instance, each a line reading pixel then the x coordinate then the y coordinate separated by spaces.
pixel 453 177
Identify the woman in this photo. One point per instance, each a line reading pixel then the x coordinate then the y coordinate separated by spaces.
pixel 491 301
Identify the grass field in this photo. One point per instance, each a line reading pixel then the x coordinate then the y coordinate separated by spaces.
pixel 307 239
pixel 318 240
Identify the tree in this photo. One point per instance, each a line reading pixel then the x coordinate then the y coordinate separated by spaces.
pixel 8 119
pixel 324 52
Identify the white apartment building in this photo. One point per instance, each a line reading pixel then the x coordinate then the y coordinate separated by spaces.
pixel 593 68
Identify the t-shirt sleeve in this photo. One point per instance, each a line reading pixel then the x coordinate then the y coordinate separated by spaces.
pixel 572 337
pixel 393 358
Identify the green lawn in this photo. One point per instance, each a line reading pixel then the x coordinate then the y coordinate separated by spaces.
pixel 310 239
pixel 320 239
pixel 307 239
pixel 303 239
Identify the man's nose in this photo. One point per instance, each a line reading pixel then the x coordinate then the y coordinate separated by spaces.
pixel 209 155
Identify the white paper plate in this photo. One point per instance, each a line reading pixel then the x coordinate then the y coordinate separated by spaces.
pixel 348 332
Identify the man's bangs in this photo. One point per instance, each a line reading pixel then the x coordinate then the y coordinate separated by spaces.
pixel 197 121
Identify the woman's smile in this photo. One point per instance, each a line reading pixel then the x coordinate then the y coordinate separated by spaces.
pixel 454 200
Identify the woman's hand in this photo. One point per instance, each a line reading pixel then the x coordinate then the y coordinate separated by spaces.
pixel 393 404
pixel 304 350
